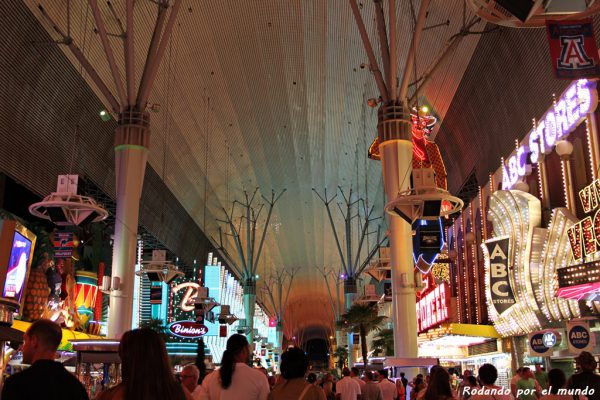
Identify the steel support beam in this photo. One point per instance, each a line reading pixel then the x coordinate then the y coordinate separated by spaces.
pixel 410 58
pixel 151 67
pixel 369 49
pixel 108 51
pixel 85 64
pixel 393 83
pixel 129 54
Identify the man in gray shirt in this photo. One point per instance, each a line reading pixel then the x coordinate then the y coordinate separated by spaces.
pixel 372 391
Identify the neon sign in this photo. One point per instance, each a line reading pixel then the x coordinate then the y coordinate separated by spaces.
pixel 187 303
pixel 188 329
pixel 584 236
pixel 568 112
pixel 432 309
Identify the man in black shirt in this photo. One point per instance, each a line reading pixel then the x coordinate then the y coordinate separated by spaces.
pixel 46 378
pixel 404 382
pixel 586 378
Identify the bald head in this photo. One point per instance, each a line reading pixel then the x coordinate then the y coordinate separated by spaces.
pixel 190 374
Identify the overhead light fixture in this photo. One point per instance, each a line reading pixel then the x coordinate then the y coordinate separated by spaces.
pixel 159 269
pixel 66 207
pixel 104 115
pixel 424 200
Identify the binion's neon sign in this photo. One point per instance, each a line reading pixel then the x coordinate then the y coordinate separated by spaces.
pixel 559 121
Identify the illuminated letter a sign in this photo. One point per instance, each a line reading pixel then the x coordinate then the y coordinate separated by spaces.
pixel 502 296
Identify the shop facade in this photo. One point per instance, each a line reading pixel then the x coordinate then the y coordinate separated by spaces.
pixel 177 309
pixel 513 238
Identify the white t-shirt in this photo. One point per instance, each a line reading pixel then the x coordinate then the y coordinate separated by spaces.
pixel 388 390
pixel 348 388
pixel 361 383
pixel 247 383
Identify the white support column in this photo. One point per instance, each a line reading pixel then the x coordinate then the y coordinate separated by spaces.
pixel 350 294
pixel 279 336
pixel 131 153
pixel 249 299
pixel 394 129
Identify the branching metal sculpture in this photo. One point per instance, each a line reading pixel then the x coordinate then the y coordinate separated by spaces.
pixel 277 288
pixel 129 101
pixel 329 274
pixel 247 262
pixel 351 262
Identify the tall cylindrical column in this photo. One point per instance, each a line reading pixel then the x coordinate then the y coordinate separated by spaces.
pixel 249 299
pixel 350 292
pixel 279 336
pixel 395 137
pixel 132 138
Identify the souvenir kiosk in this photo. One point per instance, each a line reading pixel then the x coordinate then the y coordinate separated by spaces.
pixel 98 365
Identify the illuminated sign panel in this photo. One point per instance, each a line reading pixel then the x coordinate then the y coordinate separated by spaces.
pixel 502 296
pixel 568 112
pixel 432 309
pixel 579 282
pixel 584 236
pixel 212 280
pixel 188 329
pixel 582 281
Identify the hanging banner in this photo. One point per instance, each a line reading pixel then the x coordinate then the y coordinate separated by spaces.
pixel 63 244
pixel 579 337
pixel 502 296
pixel 573 49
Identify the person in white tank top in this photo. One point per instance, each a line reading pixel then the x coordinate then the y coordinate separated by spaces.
pixel 235 380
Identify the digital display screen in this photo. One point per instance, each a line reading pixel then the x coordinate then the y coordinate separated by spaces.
pixel 17 267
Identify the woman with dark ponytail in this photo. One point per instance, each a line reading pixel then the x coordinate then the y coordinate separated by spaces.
pixel 235 380
pixel 146 370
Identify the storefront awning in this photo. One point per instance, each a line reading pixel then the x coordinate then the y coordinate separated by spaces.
pixel 455 329
pixel 67 335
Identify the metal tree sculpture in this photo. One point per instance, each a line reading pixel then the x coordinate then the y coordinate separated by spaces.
pixel 394 130
pixel 329 274
pixel 132 135
pixel 351 262
pixel 247 262
pixel 277 288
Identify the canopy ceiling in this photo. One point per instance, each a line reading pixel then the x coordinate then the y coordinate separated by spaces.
pixel 269 94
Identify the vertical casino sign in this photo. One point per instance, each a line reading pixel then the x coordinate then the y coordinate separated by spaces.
pixel 497 253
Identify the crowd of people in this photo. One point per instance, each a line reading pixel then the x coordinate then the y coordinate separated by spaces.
pixel 147 375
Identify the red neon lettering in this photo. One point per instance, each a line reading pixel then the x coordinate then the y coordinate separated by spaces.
pixel 595 189
pixel 587 231
pixel 574 234
pixel 432 309
pixel 585 195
